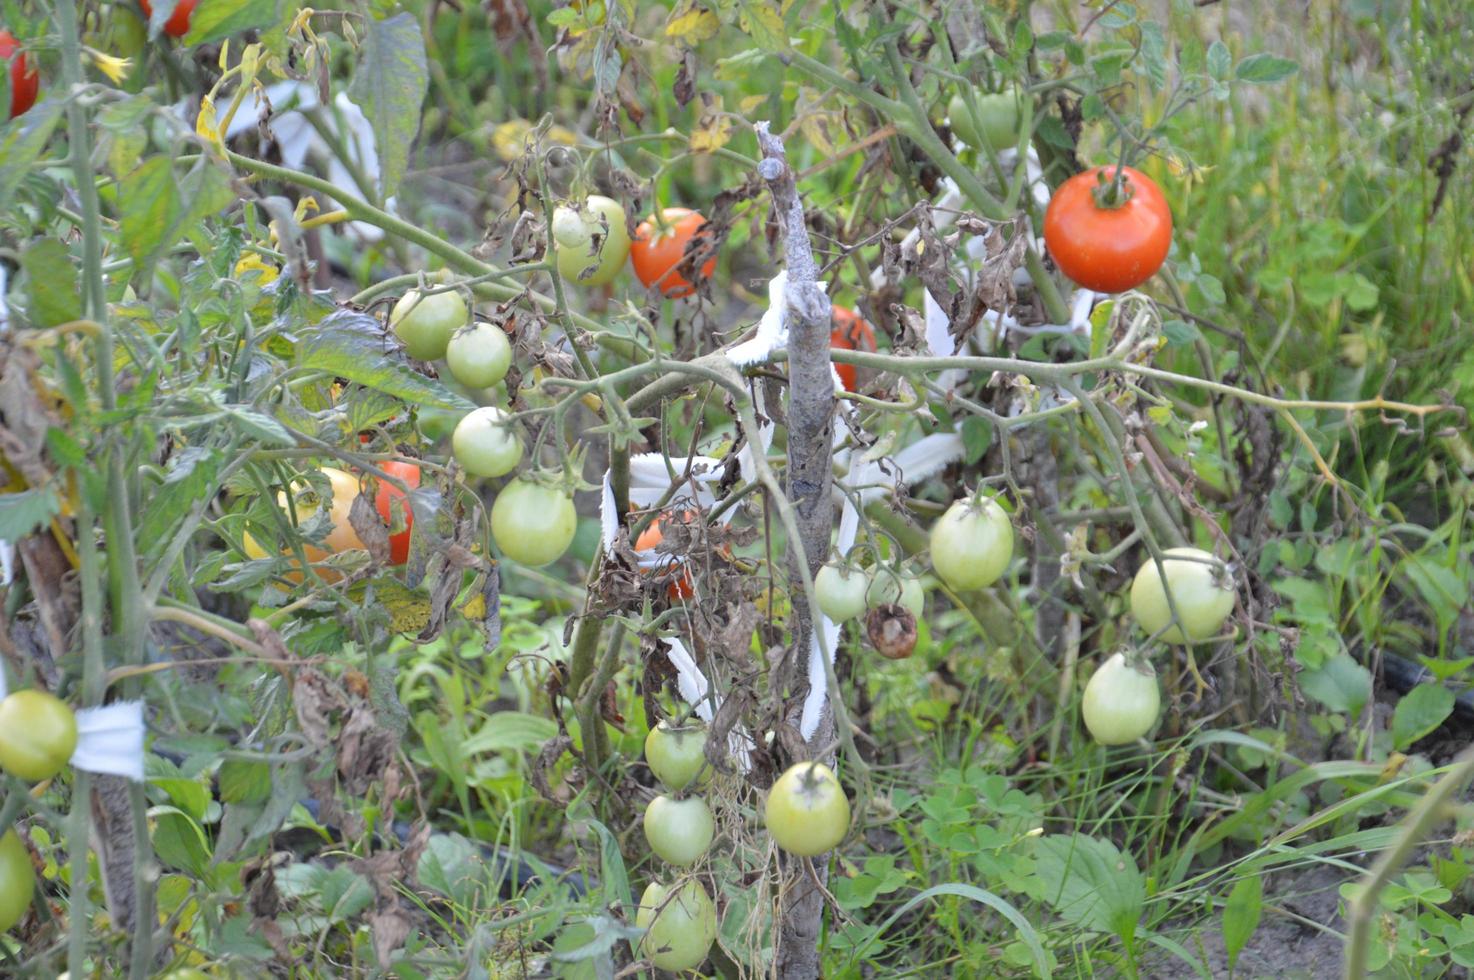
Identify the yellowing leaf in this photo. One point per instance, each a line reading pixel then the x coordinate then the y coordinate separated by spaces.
pixel 691 25
pixel 208 126
pixel 765 24
pixel 750 104
pixel 713 131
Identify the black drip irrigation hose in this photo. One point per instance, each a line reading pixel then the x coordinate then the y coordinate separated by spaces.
pixel 1402 675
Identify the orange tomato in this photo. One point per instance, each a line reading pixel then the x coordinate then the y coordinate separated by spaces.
pixel 178 23
pixel 656 252
pixel 682 588
pixel 341 538
pixel 389 499
pixel 850 332
pixel 24 84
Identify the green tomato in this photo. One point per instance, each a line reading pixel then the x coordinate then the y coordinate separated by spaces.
pixel 17 880
pixel 479 355
pixel 591 242
pixel 841 591
pixel 676 755
pixel 991 124
pixel 425 323
pixel 186 973
pixel 807 813
pixel 972 544
pixel 38 734
pixel 1121 701
pixel 485 444
pixel 680 924
pixel 890 586
pixel 533 524
pixel 1202 591
pixel 679 831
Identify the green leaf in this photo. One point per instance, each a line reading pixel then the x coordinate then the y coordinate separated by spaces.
pixel 612 873
pixel 52 279
pixel 1261 68
pixel 26 511
pixel 1241 916
pixel 1090 883
pixel 179 842
pixel 152 209
pixel 24 141
pixel 244 781
pixel 1340 684
pixel 510 731
pixel 389 85
pixel 1220 62
pixel 352 345
pixel 764 24
pixel 451 866
pixel 259 427
pixel 1180 333
pixel 1438 585
pixel 214 20
pixel 977 436
pixel 1419 712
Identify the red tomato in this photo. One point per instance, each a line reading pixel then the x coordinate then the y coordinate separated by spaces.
pixel 23 83
pixel 682 588
pixel 656 252
pixel 850 333
pixel 1106 246
pixel 178 23
pixel 385 503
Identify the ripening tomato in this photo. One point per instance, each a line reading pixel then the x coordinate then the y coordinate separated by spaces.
pixel 680 924
pixel 806 812
pixel 1202 591
pixel 682 588
pixel 1121 701
pixel 972 544
pixel 591 242
pixel 485 444
pixel 38 734
pixel 479 355
pixel 24 81
pixel 17 879
pixel 342 537
pixel 426 323
pixel 850 332
pixel 841 591
pixel 679 831
pixel 656 251
pixel 1104 239
pixel 531 523
pixel 178 23
pixel 389 501
pixel 677 755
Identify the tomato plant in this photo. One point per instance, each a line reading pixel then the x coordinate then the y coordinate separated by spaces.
pixel 24 80
pixel 841 591
pixel 806 812
pixel 591 242
pixel 393 508
pixel 889 585
pixel 1202 591
pixel 972 544
pixel 17 879
pixel 425 323
pixel 178 23
pixel 990 123
pixel 479 355
pixel 485 444
pixel 1121 701
pixel 1106 237
pixel 656 251
pixel 38 734
pixel 533 524
pixel 680 924
pixel 679 831
pixel 850 332
pixel 676 754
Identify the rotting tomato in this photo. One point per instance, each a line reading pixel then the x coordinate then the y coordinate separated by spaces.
pixel 38 734
pixel 850 332
pixel 342 537
pixel 676 754
pixel 657 251
pixel 591 242
pixel 533 524
pixel 806 812
pixel 841 591
pixel 389 501
pixel 479 355
pixel 24 81
pixel 889 585
pixel 1109 239
pixel 679 831
pixel 1121 701
pixel 680 924
pixel 485 444
pixel 972 544
pixel 178 23
pixel 17 879
pixel 1202 591
pixel 425 323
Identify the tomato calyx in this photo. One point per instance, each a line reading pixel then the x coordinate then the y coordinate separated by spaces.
pixel 1113 191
